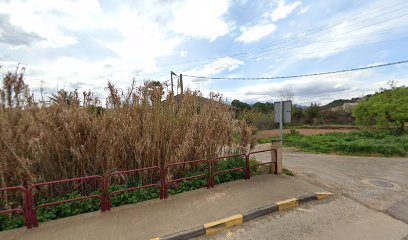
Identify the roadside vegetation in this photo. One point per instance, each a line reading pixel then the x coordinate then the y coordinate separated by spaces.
pixel 89 205
pixel 364 143
pixel 74 135
pixel 380 129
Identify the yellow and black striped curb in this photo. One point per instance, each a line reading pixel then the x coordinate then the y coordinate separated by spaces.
pixel 222 224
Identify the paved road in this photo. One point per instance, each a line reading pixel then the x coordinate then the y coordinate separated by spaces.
pixel 341 218
pixel 372 202
pixel 376 182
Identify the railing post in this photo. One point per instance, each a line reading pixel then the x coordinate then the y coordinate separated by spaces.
pixel 31 209
pixel 212 173
pixel 277 157
pixel 106 193
pixel 163 189
pixel 247 167
pixel 27 219
pixel 209 174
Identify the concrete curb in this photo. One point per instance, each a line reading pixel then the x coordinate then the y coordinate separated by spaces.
pixel 222 224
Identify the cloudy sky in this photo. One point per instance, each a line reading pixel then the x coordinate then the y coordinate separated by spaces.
pixel 83 44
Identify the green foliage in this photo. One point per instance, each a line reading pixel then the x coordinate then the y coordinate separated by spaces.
pixel 241 106
pixel 297 114
pixel 259 120
pixel 10 222
pixel 339 103
pixel 265 108
pixel 229 163
pixel 259 115
pixel 353 143
pixel 337 116
pixel 287 172
pixel 385 109
pixel 312 113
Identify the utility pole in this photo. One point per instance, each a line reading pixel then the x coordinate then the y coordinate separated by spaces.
pixel 181 83
pixel 172 83
pixel 281 122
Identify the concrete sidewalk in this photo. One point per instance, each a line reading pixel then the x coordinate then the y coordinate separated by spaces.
pixel 179 212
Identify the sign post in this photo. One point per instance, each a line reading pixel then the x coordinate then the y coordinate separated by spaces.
pixel 283 114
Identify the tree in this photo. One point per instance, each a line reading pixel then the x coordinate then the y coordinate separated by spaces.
pixel 385 109
pixel 286 95
pixel 241 106
pixel 312 113
pixel 297 113
pixel 263 107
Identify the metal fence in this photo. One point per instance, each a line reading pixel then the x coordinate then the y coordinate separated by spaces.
pixel 29 208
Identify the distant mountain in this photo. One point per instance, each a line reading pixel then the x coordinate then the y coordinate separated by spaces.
pixel 339 103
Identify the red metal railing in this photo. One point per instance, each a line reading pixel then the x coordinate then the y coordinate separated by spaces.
pixel 265 163
pixel 23 210
pixel 173 181
pixel 32 208
pixel 215 173
pixel 107 178
pixel 29 209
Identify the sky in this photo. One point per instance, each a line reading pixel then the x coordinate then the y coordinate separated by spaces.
pixel 84 44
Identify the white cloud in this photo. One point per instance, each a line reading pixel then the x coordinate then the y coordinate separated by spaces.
pixel 346 35
pixel 304 10
pixel 46 18
pixel 255 33
pixel 321 89
pixel 216 67
pixel 183 53
pixel 201 19
pixel 142 41
pixel 283 10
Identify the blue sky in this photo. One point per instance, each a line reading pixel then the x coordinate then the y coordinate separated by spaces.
pixel 83 44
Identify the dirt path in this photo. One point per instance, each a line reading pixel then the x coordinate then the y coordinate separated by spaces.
pixel 304 131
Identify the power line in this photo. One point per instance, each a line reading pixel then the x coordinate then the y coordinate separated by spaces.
pixel 301 75
pixel 315 32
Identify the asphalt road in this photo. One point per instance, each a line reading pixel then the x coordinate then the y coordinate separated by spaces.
pixel 371 202
pixel 340 219
pixel 376 182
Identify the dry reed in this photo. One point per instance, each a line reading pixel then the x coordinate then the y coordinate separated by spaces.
pixel 75 136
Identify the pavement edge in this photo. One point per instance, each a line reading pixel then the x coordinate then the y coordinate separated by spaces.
pixel 222 224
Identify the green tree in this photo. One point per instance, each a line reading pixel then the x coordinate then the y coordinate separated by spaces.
pixel 241 106
pixel 385 109
pixel 312 113
pixel 263 107
pixel 297 113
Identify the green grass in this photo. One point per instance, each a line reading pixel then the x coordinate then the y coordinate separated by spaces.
pixel 361 143
pixel 287 172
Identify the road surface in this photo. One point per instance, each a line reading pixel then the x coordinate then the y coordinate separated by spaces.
pixel 371 200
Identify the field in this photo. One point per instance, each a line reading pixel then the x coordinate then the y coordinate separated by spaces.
pixel 364 143
pixel 303 131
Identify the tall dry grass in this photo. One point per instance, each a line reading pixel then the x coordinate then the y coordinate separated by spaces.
pixel 139 127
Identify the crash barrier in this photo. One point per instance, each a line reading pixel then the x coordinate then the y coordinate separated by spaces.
pixel 166 179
